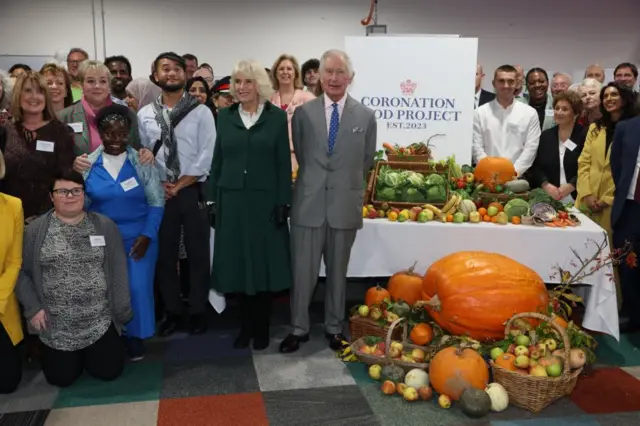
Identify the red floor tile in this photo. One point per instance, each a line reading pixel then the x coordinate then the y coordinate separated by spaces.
pixel 607 390
pixel 236 409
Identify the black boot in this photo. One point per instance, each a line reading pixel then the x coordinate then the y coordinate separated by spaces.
pixel 261 321
pixel 246 325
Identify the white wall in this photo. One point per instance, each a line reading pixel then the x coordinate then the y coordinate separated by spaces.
pixel 549 33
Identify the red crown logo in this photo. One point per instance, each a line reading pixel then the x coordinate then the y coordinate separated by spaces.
pixel 408 87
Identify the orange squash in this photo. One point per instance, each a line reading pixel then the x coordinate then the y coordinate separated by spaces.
pixel 422 334
pixel 452 370
pixel 376 296
pixel 492 171
pixel 406 286
pixel 475 293
pixel 507 361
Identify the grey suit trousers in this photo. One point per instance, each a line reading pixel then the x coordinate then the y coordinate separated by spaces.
pixel 308 247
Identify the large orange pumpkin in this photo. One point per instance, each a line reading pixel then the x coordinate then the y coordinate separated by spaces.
pixel 475 293
pixel 421 334
pixel 406 286
pixel 494 170
pixel 452 370
pixel 376 296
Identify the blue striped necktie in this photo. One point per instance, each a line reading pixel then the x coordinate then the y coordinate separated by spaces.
pixel 333 127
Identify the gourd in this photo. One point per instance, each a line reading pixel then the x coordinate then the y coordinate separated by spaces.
pixel 401 309
pixel 376 296
pixel 406 286
pixel 517 186
pixel 475 403
pixel 421 334
pixel 506 361
pixel 466 207
pixel 452 370
pixel 393 372
pixel 499 397
pixel 416 378
pixel 492 171
pixel 474 293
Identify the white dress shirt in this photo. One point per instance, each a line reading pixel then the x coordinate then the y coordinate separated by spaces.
pixel 634 180
pixel 512 133
pixel 250 118
pixel 196 137
pixel 328 108
pixel 477 100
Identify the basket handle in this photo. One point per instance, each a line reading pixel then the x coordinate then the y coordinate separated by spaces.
pixel 390 333
pixel 561 331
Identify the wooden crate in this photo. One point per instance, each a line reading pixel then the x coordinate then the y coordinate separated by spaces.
pixel 408 158
pixel 424 168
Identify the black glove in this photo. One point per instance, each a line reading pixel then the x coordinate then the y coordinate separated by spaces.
pixel 280 215
pixel 211 206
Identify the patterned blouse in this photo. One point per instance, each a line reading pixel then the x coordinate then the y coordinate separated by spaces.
pixel 74 286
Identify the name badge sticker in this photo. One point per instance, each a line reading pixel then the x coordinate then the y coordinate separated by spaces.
pixel 548 113
pixel 44 146
pixel 77 127
pixel 129 184
pixel 570 145
pixel 97 241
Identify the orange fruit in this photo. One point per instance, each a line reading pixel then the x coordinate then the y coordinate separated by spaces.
pixel 450 218
pixel 482 211
pixel 497 205
pixel 516 220
pixel 486 218
pixel 494 219
pixel 422 334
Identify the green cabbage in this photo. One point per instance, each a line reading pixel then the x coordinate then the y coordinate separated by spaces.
pixel 516 207
pixel 412 195
pixel 415 179
pixel 386 194
pixel 436 194
pixel 392 179
pixel 435 180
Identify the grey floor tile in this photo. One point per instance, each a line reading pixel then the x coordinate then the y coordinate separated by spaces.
pixel 329 406
pixel 24 418
pixel 34 393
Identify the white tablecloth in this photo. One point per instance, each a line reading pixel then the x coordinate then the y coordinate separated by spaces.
pixel 383 248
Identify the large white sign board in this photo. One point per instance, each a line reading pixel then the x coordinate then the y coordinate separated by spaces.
pixel 418 87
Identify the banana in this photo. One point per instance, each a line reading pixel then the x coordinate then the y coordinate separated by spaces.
pixel 346 351
pixel 350 358
pixel 446 210
pixel 436 211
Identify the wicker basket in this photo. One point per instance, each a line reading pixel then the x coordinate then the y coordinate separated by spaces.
pixel 368 193
pixel 409 158
pixel 386 359
pixel 361 327
pixel 424 168
pixel 531 392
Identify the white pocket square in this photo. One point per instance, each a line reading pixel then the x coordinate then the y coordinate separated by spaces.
pixel 357 130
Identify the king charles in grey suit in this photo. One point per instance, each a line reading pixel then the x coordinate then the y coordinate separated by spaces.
pixel 334 138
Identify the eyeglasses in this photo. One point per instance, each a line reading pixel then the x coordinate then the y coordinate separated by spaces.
pixel 63 192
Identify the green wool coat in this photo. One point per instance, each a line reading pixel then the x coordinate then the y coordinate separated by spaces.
pixel 250 176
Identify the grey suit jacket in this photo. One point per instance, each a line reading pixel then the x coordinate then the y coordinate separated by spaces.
pixel 331 188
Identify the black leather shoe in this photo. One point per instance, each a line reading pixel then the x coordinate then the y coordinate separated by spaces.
pixel 169 325
pixel 292 343
pixel 261 342
pixel 335 340
pixel 197 324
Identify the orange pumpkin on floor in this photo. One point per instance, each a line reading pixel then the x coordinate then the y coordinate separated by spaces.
pixel 406 286
pixel 422 334
pixel 492 171
pixel 475 293
pixel 376 295
pixel 507 361
pixel 452 370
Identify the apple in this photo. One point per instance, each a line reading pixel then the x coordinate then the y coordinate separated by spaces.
pixel 444 401
pixel 366 349
pixel 532 362
pixel 522 361
pixel 363 310
pixel 546 361
pixel 410 394
pixel 372 214
pixel 407 358
pixel 375 313
pixel 418 355
pixel 542 348
pixel 375 371
pixel 551 344
pixel 495 353
pixel 538 371
pixel 577 358
pixel 425 392
pixel 515 333
pixel 535 354
pixel 511 349
pixel 397 345
pixel 388 387
pixel 468 177
pixel 558 353
pixel 370 207
pixel 523 340
pixel 401 387
pixel 414 212
pixel 521 350
pixel 554 370
pixel 394 352
pixel 381 214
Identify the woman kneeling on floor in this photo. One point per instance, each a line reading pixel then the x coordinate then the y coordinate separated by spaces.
pixel 74 288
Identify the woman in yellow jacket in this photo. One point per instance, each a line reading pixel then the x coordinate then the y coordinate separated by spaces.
pixel 11 230
pixel 595 184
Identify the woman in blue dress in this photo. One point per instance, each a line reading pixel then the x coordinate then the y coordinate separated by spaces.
pixel 129 193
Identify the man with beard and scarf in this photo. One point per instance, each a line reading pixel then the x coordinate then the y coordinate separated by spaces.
pixel 120 69
pixel 181 133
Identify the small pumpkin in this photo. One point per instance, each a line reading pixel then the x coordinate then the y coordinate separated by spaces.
pixel 499 397
pixel 406 286
pixel 475 403
pixel 507 361
pixel 452 370
pixel 417 378
pixel 376 296
pixel 393 372
pixel 421 334
pixel 492 171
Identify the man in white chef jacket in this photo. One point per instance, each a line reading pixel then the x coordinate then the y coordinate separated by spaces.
pixel 504 127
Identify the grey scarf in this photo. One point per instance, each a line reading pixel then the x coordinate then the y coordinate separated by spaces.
pixel 166 120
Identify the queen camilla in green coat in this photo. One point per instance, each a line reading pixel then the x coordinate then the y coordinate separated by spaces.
pixel 250 185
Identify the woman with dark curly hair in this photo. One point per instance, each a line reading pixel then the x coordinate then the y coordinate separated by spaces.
pixel 540 99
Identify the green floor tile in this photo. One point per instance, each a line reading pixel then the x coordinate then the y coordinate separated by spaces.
pixel 360 372
pixel 623 354
pixel 139 382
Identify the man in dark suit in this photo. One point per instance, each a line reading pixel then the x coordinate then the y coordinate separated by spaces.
pixel 625 213
pixel 482 96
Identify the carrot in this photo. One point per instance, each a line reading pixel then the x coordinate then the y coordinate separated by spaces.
pixel 389 147
pixel 550 224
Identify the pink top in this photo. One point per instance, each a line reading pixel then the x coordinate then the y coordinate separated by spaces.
pixel 90 113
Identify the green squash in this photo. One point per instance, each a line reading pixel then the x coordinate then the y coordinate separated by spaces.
pixel 394 373
pixel 517 186
pixel 401 309
pixel 475 403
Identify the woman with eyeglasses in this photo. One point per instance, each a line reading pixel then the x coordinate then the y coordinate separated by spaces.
pixel 74 287
pixel 130 194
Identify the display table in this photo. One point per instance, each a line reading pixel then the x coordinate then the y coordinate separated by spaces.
pixel 383 248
